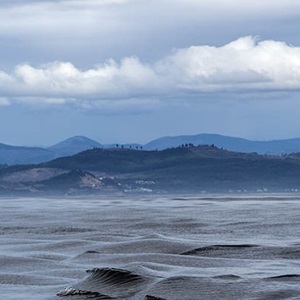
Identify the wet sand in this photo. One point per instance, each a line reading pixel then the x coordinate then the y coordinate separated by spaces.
pixel 173 248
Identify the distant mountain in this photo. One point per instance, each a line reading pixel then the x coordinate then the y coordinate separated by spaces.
pixel 16 155
pixel 24 155
pixel 74 145
pixel 274 147
pixel 32 155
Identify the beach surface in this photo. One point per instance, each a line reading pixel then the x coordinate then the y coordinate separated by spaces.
pixel 152 247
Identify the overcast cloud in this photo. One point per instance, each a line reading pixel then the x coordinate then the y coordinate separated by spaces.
pixel 159 57
pixel 88 32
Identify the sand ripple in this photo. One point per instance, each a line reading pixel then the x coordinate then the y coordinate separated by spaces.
pixel 150 249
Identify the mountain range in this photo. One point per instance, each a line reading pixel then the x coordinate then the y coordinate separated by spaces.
pixel 11 155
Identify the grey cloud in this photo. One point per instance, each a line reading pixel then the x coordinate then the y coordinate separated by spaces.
pixel 148 29
pixel 58 76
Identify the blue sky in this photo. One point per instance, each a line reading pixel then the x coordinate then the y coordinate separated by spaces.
pixel 134 70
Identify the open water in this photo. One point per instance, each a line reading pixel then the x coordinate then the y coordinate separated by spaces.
pixel 150 248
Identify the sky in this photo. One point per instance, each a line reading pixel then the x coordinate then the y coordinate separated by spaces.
pixel 122 71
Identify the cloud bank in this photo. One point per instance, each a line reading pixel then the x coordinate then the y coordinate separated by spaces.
pixel 37 19
pixel 244 65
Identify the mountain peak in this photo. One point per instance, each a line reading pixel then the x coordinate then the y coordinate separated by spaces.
pixel 74 145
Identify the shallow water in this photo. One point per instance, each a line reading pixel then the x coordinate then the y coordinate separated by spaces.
pixel 166 247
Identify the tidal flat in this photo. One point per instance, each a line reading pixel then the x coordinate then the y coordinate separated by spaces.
pixel 150 247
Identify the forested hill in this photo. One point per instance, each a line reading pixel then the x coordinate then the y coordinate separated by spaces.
pixel 187 169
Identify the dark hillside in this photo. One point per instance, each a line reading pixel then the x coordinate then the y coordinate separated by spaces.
pixel 186 169
pixel 120 160
pixel 190 168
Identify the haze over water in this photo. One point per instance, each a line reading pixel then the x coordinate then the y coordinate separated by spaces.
pixel 173 248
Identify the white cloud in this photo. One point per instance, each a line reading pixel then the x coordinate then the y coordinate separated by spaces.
pixel 63 78
pixel 241 64
pixel 246 64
